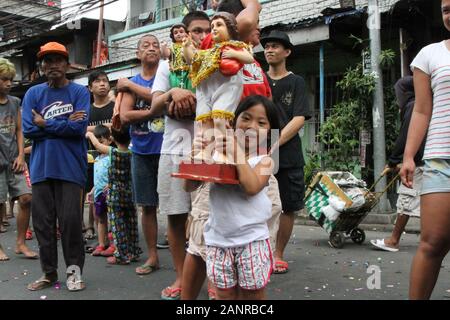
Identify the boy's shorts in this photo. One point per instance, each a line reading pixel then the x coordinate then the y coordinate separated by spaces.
pixel 101 205
pixel 249 266
pixel 292 188
pixel 173 199
pixel 436 176
pixel 408 202
pixel 144 177
pixel 13 183
pixel 199 217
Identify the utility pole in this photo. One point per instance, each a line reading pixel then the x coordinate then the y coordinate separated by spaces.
pixel 100 33
pixel 379 142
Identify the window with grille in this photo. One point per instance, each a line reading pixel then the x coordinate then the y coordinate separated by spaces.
pixel 171 9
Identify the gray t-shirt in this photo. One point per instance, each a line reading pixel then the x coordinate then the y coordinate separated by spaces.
pixel 8 140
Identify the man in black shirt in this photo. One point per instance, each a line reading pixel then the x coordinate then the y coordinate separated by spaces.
pixel 101 113
pixel 289 94
pixel 102 107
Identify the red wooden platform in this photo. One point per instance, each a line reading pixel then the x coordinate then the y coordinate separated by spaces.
pixel 216 173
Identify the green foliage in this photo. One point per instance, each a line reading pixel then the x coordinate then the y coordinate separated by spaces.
pixel 341 131
pixel 387 58
pixel 312 166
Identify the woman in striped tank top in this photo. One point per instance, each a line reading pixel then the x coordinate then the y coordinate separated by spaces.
pixel 431 118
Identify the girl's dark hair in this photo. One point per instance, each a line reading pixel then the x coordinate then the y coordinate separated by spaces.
pixel 230 22
pixel 269 106
pixel 101 131
pixel 177 26
pixel 121 136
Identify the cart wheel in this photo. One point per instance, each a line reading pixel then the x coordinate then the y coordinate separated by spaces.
pixel 337 239
pixel 358 236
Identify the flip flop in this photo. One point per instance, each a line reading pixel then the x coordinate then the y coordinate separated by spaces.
pixel 41 283
pixel 280 264
pixel 4 258
pixel 380 244
pixel 90 234
pixel 168 293
pixel 146 269
pixel 32 256
pixel 114 260
pixel 211 294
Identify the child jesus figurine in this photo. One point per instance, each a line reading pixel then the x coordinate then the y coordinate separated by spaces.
pixel 216 74
pixel 179 69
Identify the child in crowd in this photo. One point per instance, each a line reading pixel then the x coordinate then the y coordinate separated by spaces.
pixel 13 169
pixel 100 192
pixel 121 210
pixel 239 256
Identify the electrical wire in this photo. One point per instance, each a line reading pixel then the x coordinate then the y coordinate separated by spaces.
pixel 89 5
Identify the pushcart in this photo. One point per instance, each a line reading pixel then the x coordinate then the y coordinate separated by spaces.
pixel 346 225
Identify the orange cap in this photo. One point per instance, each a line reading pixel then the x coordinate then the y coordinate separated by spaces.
pixel 53 47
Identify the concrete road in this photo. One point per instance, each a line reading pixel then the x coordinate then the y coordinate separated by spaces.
pixel 317 271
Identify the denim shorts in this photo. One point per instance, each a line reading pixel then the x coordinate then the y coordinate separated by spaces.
pixel 144 176
pixel 436 176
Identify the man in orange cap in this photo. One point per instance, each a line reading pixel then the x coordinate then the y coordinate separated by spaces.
pixel 55 117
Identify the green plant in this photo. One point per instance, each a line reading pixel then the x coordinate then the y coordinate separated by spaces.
pixel 312 166
pixel 340 133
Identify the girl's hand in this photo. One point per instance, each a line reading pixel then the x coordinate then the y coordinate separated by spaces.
pixel 407 172
pixel 229 53
pixel 89 135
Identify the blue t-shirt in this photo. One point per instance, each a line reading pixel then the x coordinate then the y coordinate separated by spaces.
pixel 60 149
pixel 101 167
pixel 147 136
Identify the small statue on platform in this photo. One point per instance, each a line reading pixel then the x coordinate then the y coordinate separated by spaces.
pixel 216 73
pixel 179 69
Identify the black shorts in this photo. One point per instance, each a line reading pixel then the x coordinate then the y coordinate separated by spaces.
pixel 292 188
pixel 90 179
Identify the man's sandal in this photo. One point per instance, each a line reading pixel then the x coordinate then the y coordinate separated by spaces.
pixel 90 234
pixel 74 283
pixel 41 283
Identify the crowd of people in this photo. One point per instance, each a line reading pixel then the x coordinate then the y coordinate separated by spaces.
pixel 208 78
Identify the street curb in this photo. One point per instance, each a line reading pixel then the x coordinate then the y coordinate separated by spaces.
pixel 413 228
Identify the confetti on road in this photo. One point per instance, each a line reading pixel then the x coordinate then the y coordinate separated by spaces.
pixel 43 297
